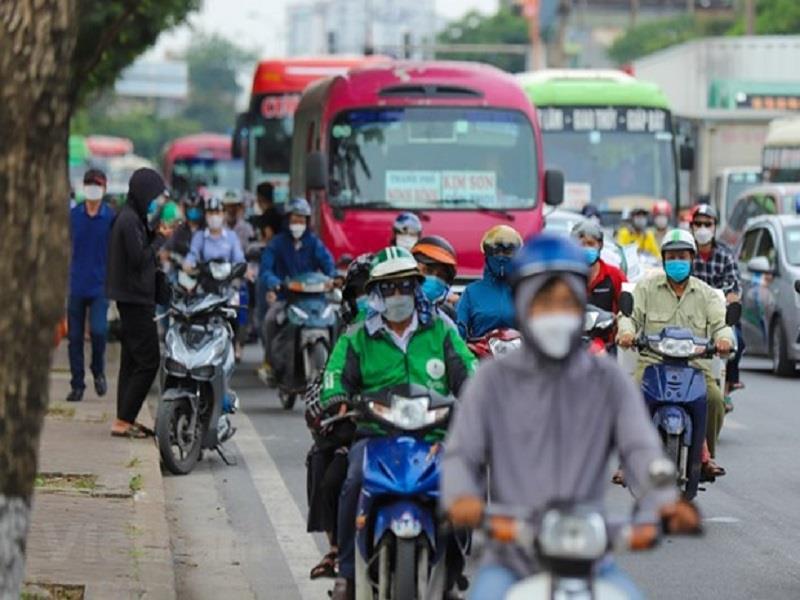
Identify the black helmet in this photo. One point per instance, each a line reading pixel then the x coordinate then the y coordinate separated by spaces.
pixel 705 210
pixel 436 250
pixel 213 203
pixel 357 275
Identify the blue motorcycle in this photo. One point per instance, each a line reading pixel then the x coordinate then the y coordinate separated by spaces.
pixel 676 393
pixel 311 317
pixel 400 552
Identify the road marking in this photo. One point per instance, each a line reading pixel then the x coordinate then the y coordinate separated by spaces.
pixel 298 547
pixel 726 520
pixel 734 424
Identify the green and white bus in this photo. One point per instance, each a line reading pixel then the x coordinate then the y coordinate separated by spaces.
pixel 612 137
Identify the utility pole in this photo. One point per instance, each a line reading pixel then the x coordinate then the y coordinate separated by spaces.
pixel 530 11
pixel 634 12
pixel 369 42
pixel 690 5
pixel 750 16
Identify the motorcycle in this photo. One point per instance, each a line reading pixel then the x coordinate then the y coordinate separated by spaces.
pixel 311 315
pixel 196 367
pixel 597 325
pixel 401 553
pixel 676 393
pixel 497 342
pixel 570 539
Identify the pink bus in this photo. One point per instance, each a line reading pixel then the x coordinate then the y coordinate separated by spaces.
pixel 456 143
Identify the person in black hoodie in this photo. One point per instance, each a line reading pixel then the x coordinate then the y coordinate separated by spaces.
pixel 131 282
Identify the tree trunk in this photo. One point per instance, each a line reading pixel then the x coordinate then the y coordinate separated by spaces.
pixel 37 39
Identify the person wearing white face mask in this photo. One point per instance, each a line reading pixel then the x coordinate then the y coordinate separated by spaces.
pixel 662 213
pixel 545 420
pixel 215 242
pixel 639 234
pixel 406 230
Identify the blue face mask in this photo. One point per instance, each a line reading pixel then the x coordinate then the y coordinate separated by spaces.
pixel 434 288
pixel 498 265
pixel 194 214
pixel 678 270
pixel 591 254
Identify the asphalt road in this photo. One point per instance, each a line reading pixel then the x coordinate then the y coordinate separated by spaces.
pixel 238 531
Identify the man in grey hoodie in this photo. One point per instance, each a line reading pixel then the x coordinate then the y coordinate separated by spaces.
pixel 546 418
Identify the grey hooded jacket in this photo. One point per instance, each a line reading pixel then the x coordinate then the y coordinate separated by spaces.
pixel 547 430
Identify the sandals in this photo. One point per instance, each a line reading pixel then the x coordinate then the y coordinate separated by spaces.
pixel 728 404
pixel 326 567
pixel 618 478
pixel 137 431
pixel 710 470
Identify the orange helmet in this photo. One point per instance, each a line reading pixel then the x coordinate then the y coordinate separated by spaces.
pixel 662 207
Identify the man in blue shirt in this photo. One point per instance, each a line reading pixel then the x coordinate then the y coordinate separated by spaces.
pixel 294 251
pixel 486 304
pixel 90 226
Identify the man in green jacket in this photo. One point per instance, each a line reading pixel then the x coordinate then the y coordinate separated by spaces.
pixel 402 340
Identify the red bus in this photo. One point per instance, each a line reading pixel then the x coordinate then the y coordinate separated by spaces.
pixel 108 145
pixel 201 159
pixel 456 143
pixel 263 134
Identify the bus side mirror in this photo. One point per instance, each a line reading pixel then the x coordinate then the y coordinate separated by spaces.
pixel 686 156
pixel 553 187
pixel 797 286
pixel 733 313
pixel 626 303
pixel 236 138
pixel 316 171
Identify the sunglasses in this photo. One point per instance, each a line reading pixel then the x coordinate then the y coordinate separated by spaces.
pixel 702 223
pixel 501 249
pixel 390 288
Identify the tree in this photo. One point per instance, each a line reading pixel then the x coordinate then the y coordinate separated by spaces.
pixel 52 52
pixel 213 63
pixel 773 17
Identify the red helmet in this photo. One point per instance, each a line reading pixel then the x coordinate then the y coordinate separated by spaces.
pixel 662 207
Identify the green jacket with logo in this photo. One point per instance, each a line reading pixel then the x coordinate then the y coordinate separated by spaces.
pixel 366 359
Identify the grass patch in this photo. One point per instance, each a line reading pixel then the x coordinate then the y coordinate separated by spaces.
pixel 135 484
pixel 52 591
pixel 61 409
pixel 133 463
pixel 76 481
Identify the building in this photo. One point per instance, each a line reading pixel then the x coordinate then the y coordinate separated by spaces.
pixel 392 27
pixel 158 86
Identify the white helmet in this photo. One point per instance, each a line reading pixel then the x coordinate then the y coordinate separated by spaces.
pixel 393 263
pixel 678 239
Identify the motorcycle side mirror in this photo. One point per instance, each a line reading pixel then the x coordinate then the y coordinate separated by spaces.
pixel 797 286
pixel 733 314
pixel 239 270
pixel 626 303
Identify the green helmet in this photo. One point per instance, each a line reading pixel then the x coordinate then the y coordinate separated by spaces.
pixel 393 263
pixel 170 213
pixel 678 239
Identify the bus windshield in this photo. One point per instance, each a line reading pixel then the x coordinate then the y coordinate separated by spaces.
pixel 737 184
pixel 271 149
pixel 442 158
pixel 190 173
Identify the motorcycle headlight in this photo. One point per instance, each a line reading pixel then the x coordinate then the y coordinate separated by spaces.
pixel 500 347
pixel 298 313
pixel 577 536
pixel 409 413
pixel 676 348
pixel 204 372
pixel 220 270
pixel 173 367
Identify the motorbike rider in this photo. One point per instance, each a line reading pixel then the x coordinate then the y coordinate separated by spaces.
pixel 233 205
pixel 638 233
pixel 676 298
pixel 406 230
pixel 401 340
pixel 486 304
pixel 437 261
pixel 215 242
pixel 546 413
pixel 662 213
pixel 716 265
pixel 295 250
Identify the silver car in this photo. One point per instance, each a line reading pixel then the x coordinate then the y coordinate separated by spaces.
pixel 769 259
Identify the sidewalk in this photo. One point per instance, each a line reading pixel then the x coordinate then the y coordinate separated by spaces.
pixel 99 526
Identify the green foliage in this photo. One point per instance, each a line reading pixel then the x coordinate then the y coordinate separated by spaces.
pixel 773 17
pixel 114 32
pixel 213 63
pixel 659 34
pixel 503 27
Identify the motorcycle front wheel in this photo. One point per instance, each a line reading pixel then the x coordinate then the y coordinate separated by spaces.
pixel 287 399
pixel 179 446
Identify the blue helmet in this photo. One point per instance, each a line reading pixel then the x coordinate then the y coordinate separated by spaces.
pixel 408 223
pixel 298 206
pixel 548 253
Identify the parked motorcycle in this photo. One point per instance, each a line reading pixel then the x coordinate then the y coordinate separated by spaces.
pixel 497 342
pixel 401 554
pixel 676 393
pixel 197 364
pixel 312 317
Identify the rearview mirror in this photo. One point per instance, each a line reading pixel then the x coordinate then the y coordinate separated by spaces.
pixel 626 303
pixel 239 270
pixel 759 264
pixel 733 314
pixel 797 286
pixel 239 136
pixel 316 171
pixel 686 157
pixel 553 187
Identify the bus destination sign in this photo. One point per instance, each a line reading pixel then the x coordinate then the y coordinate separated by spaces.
pixel 606 118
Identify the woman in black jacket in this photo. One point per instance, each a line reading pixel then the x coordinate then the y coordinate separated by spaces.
pixel 131 283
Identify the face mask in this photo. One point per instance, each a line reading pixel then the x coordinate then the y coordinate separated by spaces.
pixel 661 221
pixel 297 230
pixel 678 270
pixel 703 235
pixel 554 333
pixel 194 214
pixel 640 222
pixel 434 288
pixel 398 308
pixel 92 192
pixel 592 255
pixel 405 241
pixel 214 221
pixel 498 265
